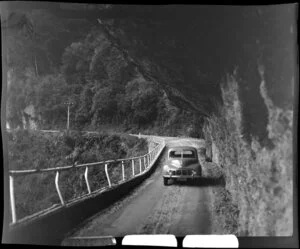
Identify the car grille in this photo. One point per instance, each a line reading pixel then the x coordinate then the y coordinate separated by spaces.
pixel 182 172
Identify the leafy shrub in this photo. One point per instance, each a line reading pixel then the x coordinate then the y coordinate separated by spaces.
pixel 29 149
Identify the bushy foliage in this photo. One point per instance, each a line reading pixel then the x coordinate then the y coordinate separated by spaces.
pixel 97 77
pixel 142 98
pixel 33 150
pixel 95 73
pixel 36 39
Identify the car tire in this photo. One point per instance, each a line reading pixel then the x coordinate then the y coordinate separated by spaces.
pixel 166 181
pixel 200 172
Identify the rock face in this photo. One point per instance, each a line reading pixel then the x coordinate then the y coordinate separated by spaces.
pixel 258 170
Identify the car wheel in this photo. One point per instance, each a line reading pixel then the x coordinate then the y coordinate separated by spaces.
pixel 200 172
pixel 166 181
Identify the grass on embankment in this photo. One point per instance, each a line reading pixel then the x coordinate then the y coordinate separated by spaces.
pixel 33 150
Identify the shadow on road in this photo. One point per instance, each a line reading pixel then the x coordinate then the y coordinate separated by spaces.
pixel 203 182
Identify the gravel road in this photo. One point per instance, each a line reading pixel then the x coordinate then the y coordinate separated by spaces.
pixel 153 208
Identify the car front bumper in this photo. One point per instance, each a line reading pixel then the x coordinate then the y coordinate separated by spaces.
pixel 181 176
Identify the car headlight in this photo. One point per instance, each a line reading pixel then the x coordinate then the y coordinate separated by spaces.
pixel 194 172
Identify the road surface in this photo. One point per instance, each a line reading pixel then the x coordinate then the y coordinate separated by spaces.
pixel 153 208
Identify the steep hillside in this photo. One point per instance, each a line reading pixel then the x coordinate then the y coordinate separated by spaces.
pixel 258 169
pixel 107 83
pixel 227 73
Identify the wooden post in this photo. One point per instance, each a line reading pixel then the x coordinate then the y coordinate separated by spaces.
pixel 57 188
pixel 132 167
pixel 12 199
pixel 123 171
pixel 107 176
pixel 86 179
pixel 140 165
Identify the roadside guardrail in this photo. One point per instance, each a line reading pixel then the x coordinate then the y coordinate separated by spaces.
pixel 144 162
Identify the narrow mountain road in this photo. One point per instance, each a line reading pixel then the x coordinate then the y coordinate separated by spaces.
pixel 153 208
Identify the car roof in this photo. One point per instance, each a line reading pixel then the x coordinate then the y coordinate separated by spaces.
pixel 182 148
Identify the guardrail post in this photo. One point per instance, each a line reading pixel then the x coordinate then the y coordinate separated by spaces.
pixel 132 167
pixel 12 199
pixel 140 165
pixel 107 176
pixel 147 161
pixel 57 188
pixel 123 171
pixel 86 179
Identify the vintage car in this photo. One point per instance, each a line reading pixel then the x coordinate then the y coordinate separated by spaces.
pixel 182 164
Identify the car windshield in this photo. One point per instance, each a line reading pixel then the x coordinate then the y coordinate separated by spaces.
pixel 182 154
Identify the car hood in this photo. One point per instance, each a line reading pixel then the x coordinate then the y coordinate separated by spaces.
pixel 181 163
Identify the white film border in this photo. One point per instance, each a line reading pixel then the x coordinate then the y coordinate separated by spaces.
pixel 210 241
pixel 189 241
pixel 167 240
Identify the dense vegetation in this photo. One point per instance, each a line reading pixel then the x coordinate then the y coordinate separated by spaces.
pixel 226 73
pixel 32 150
pixel 51 62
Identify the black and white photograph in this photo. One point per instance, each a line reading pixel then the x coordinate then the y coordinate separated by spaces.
pixel 163 120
